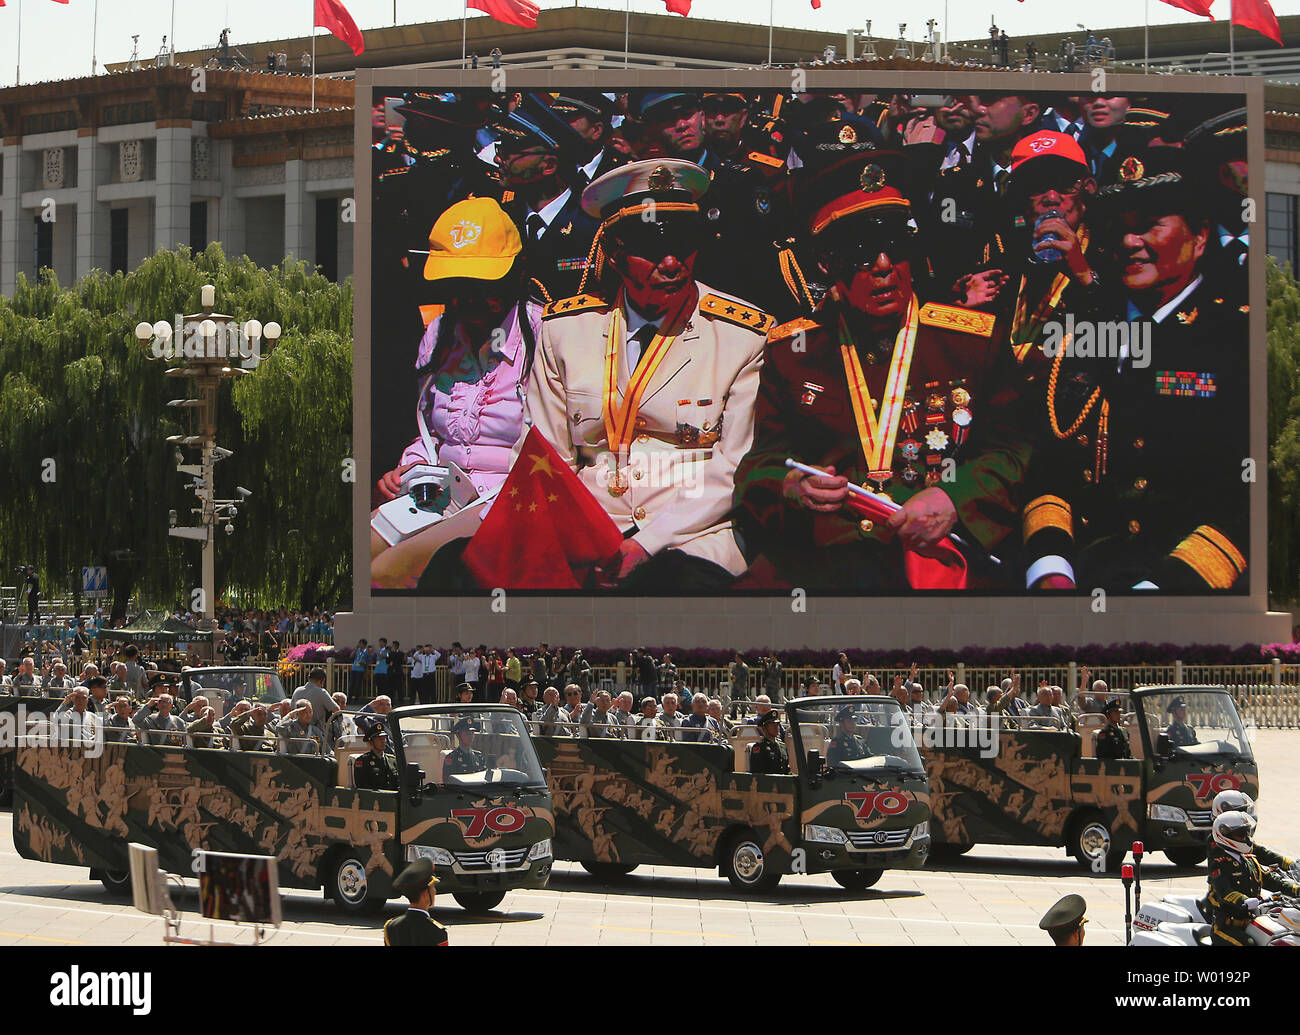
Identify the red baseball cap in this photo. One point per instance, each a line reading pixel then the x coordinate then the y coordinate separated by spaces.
pixel 1047 144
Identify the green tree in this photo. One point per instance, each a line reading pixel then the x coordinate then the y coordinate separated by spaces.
pixel 1283 434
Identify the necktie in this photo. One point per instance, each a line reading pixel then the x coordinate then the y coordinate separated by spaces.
pixel 536 224
pixel 638 343
pixel 1000 179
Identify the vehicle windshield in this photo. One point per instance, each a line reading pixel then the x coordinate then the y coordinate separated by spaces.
pixel 256 685
pixel 1209 725
pixel 857 735
pixel 471 748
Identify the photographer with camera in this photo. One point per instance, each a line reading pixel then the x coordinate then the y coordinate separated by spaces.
pixel 33 583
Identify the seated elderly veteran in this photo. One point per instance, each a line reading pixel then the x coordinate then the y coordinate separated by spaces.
pixel 645 384
pixel 882 391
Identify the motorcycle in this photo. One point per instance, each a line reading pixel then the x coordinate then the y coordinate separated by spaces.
pixel 1178 920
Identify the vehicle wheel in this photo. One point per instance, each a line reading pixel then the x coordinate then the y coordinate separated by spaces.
pixel 118 882
pixel 948 851
pixel 350 887
pixel 746 866
pixel 478 901
pixel 608 872
pixel 1186 856
pixel 1091 840
pixel 856 880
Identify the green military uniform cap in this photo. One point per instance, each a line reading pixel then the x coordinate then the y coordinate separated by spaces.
pixel 1113 705
pixel 376 730
pixel 1177 702
pixel 415 878
pixel 1068 912
pixel 845 712
pixel 466 724
pixel 767 717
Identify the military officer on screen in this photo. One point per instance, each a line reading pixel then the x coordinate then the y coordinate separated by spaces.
pixel 465 758
pixel 1137 481
pixel 1112 739
pixel 416 926
pixel 769 755
pixel 878 389
pixel 1180 734
pixel 646 383
pixel 846 745
pixel 376 770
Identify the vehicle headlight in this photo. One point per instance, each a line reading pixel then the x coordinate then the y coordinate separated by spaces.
pixel 1166 814
pixel 827 835
pixel 541 850
pixel 438 856
pixel 921 829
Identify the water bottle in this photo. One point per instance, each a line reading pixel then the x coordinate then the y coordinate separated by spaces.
pixel 1047 256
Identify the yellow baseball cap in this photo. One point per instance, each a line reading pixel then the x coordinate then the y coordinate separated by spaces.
pixel 475 239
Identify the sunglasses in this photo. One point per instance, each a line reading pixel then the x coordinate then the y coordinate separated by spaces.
pixel 679 237
pixel 723 105
pixel 898 244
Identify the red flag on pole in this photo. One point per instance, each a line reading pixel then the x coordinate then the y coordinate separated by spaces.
pixel 332 15
pixel 682 7
pixel 513 12
pixel 1201 7
pixel 817 5
pixel 544 530
pixel 1257 15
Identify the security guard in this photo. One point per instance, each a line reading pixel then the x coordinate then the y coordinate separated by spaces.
pixel 1237 879
pixel 376 770
pixel 645 384
pixel 1112 739
pixel 465 758
pixel 416 926
pixel 878 389
pixel 1113 501
pixel 846 745
pixel 1064 921
pixel 1180 734
pixel 769 755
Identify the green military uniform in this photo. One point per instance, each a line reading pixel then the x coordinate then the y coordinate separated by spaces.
pixel 416 926
pixel 375 772
pixel 1179 733
pixel 464 760
pixel 1112 741
pixel 1233 880
pixel 768 755
pixel 845 746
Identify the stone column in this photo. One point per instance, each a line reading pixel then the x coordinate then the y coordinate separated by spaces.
pixel 93 226
pixel 11 221
pixel 299 213
pixel 172 175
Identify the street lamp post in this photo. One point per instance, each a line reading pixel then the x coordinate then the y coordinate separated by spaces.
pixel 212 349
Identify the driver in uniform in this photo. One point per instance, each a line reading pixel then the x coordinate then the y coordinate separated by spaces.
pixel 1112 741
pixel 769 754
pixel 376 770
pixel 846 745
pixel 464 758
pixel 1180 734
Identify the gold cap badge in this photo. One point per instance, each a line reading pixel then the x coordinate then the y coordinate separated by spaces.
pixel 1131 169
pixel 872 178
pixel 848 135
pixel 660 179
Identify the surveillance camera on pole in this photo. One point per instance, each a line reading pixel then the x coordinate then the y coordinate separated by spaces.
pixel 243 493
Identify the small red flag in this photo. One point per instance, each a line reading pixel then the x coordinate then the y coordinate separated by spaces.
pixel 332 15
pixel 1257 15
pixel 513 12
pixel 940 566
pixel 1201 7
pixel 682 7
pixel 817 5
pixel 545 530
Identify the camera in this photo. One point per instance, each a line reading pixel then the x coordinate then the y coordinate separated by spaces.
pixel 427 485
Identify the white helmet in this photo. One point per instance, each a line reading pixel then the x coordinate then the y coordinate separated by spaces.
pixel 1232 801
pixel 1235 831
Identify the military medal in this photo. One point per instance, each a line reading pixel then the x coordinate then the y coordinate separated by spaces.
pixel 880 479
pixel 961 418
pixel 934 401
pixel 936 439
pixel 911 475
pixel 810 394
pixel 911 449
pixel 960 397
pixel 618 483
pixel 909 423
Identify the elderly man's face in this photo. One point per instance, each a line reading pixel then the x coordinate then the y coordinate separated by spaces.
pixel 870 269
pixel 699 705
pixel 963 693
pixel 80 700
pixel 670 704
pixel 715 710
pixel 655 261
pixel 121 706
pixel 165 703
pixel 1064 194
pixel 1158 253
pixel 648 708
pixel 383 705
pixel 551 696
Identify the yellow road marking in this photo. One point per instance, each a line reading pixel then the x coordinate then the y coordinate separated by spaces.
pixel 38 938
pixel 656 930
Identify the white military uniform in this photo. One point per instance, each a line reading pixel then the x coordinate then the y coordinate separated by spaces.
pixel 693 426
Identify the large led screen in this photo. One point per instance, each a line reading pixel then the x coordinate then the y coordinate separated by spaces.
pixel 698 341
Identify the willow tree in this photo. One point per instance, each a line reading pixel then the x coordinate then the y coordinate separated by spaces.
pixel 89 476
pixel 1283 434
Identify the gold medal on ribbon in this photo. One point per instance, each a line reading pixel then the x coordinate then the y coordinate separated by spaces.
pixel 878 433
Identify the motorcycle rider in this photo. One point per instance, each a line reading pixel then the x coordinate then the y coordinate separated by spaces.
pixel 1237 879
pixel 1240 801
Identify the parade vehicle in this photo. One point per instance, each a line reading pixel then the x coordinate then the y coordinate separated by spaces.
pixel 622 803
pixel 11 717
pixel 1176 920
pixel 486 825
pixel 1030 781
pixel 249 682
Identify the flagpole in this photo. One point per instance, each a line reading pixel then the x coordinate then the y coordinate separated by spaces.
pixel 171 60
pixel 627 32
pixel 1232 38
pixel 1146 36
pixel 771 20
pixel 464 20
pixel 94 43
pixel 313 55
pixel 18 72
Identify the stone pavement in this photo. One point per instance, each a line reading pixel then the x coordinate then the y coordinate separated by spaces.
pixel 993 896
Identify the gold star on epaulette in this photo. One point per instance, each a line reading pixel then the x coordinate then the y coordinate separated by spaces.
pixel 575 304
pixel 957 318
pixel 790 329
pixel 1188 318
pixel 733 312
pixel 1244 309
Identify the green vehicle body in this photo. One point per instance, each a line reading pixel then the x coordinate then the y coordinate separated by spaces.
pixel 77 810
pixel 623 803
pixel 9 712
pixel 1041 788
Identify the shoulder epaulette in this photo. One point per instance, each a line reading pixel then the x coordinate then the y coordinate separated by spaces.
pixel 762 159
pixel 791 328
pixel 737 312
pixel 575 304
pixel 957 318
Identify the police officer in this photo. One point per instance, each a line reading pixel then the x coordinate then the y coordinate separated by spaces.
pixel 769 754
pixel 1180 734
pixel 1237 879
pixel 465 758
pixel 591 116
pixel 1240 801
pixel 878 389
pixel 846 745
pixel 416 926
pixel 1112 740
pixel 376 770
pixel 1064 921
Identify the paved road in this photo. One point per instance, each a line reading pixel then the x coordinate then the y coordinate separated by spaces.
pixel 993 896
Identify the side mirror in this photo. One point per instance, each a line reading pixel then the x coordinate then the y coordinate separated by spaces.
pixel 414 780
pixel 814 763
pixel 1163 748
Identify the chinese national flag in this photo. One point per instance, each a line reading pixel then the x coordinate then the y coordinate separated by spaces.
pixel 1201 7
pixel 939 567
pixel 817 5
pixel 1257 15
pixel 682 7
pixel 513 12
pixel 544 530
pixel 332 15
